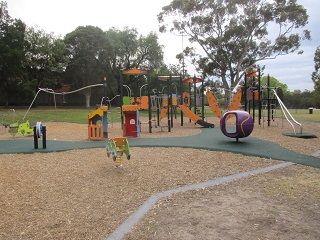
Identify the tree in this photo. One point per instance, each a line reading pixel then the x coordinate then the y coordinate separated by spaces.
pixel 125 49
pixel 84 47
pixel 316 78
pixel 298 99
pixel 236 34
pixel 45 59
pixel 95 54
pixel 12 53
pixel 316 73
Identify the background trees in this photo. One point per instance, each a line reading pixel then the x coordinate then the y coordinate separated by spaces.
pixel 127 49
pixel 31 58
pixel 12 54
pixel 84 46
pixel 45 61
pixel 316 79
pixel 94 54
pixel 234 35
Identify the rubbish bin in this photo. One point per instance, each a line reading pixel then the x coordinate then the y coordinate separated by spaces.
pixel 310 110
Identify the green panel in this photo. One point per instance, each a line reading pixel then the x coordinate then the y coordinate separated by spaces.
pixel 126 100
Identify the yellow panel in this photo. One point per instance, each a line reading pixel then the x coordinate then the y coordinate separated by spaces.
pixel 129 108
pixel 100 111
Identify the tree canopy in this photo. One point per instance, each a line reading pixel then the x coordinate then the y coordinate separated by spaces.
pixel 235 34
pixel 316 78
pixel 316 73
pixel 12 53
pixel 94 54
pixel 31 58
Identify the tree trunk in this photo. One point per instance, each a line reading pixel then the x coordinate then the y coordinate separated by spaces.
pixel 227 90
pixel 88 96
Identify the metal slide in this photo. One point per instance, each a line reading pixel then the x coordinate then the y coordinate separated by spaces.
pixel 287 114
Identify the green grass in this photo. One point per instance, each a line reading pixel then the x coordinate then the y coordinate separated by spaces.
pixel 80 115
pixel 49 114
pixel 304 114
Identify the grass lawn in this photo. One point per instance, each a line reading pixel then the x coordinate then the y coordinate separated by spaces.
pixel 80 115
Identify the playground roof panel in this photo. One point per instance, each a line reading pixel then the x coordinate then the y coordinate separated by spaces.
pixel 192 79
pixel 252 74
pixel 167 78
pixel 134 71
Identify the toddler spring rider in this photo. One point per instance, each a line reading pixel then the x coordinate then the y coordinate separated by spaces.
pixel 117 147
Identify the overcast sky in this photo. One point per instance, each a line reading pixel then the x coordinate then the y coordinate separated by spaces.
pixel 64 16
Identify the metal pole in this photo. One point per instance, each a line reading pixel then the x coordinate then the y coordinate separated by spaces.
pixel 44 137
pixel 194 94
pixel 268 100
pixel 121 98
pixel 168 106
pixel 158 100
pixel 149 103
pixel 35 137
pixel 259 92
pixel 202 98
pixel 181 97
pixel 190 106
pixel 245 92
pixel 171 107
pixel 105 86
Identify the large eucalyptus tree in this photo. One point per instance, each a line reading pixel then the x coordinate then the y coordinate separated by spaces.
pixel 234 35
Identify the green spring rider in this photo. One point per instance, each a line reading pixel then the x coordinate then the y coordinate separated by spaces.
pixel 117 147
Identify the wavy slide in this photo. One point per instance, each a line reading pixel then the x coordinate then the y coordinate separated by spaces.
pixel 195 118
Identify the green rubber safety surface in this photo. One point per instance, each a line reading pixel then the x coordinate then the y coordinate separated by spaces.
pixel 210 139
pixel 300 135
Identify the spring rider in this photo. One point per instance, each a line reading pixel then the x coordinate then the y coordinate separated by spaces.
pixel 244 124
pixel 117 147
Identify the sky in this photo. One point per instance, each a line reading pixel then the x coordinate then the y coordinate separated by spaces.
pixel 64 16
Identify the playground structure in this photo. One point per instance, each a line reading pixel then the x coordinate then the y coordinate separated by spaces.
pixel 40 131
pixel 198 101
pixel 265 98
pixel 98 124
pixel 243 122
pixel 131 126
pixel 165 103
pixel 116 147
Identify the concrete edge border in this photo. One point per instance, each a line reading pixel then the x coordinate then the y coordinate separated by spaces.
pixel 134 218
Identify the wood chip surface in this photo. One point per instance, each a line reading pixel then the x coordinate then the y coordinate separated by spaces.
pixel 79 194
